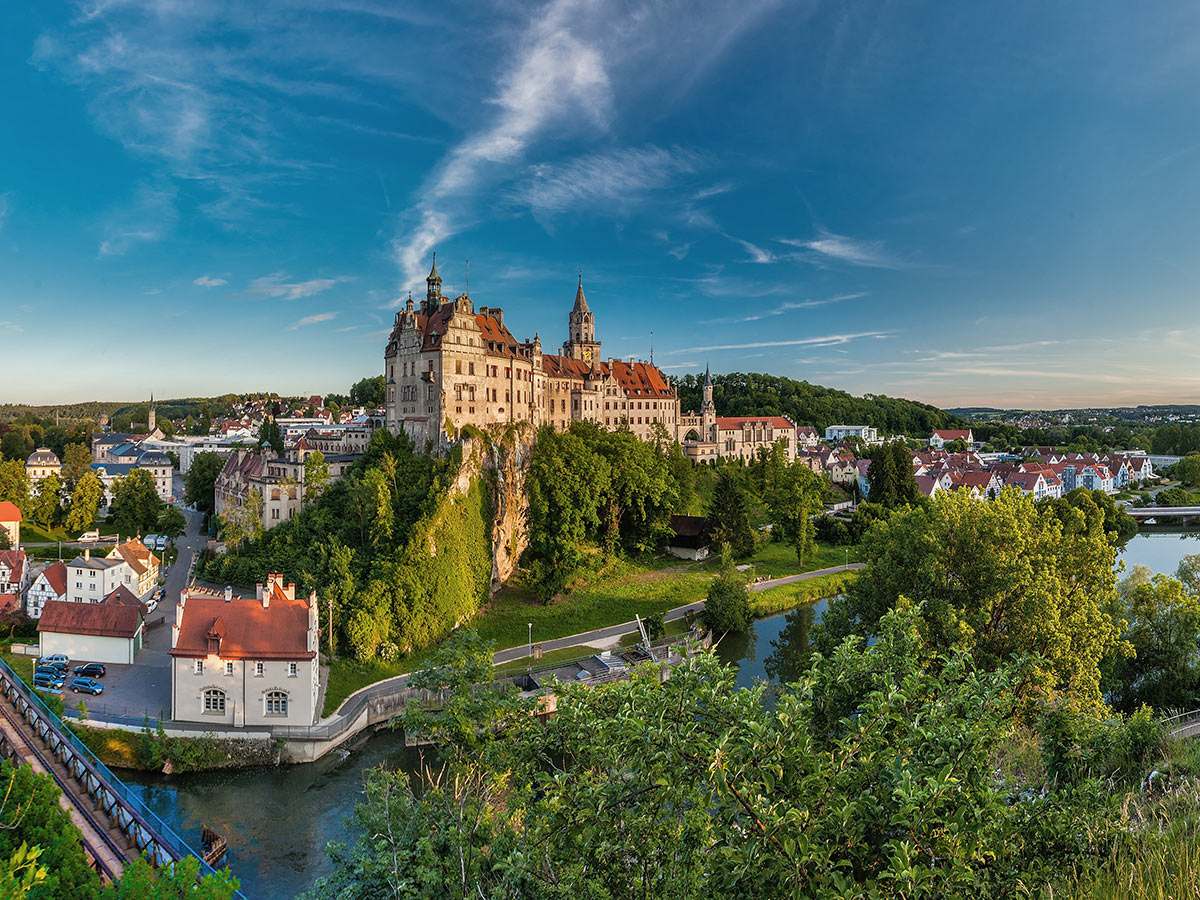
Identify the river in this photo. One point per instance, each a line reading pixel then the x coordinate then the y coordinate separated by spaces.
pixel 278 821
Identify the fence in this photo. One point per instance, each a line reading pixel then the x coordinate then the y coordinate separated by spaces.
pixel 95 777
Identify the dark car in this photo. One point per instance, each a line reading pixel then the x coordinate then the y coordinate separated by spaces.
pixel 58 671
pixel 91 670
pixel 87 686
pixel 47 682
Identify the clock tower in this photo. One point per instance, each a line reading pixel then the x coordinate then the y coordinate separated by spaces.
pixel 581 330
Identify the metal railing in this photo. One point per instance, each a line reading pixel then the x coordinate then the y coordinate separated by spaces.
pixel 161 842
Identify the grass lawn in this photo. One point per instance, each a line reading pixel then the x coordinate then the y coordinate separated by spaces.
pixel 787 596
pixel 38 535
pixel 777 559
pixel 22 665
pixel 517 666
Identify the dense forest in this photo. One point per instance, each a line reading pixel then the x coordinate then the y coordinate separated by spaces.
pixel 754 394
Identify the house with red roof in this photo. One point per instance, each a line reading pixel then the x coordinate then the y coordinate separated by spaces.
pixel 50 584
pixel 10 521
pixel 245 661
pixel 93 632
pixel 944 436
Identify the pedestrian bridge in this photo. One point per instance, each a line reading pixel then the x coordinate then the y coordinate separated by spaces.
pixel 1157 512
pixel 115 825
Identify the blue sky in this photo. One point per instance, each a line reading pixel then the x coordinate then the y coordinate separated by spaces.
pixel 968 203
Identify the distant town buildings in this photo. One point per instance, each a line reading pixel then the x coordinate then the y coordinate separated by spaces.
pixel 90 579
pixel 864 433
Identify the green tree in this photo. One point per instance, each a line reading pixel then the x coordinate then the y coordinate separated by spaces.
pixel 76 462
pixel 728 519
pixel 141 881
pixel 793 497
pixel 566 484
pixel 17 443
pixel 727 603
pixel 1001 578
pixel 135 504
pixel 14 483
pixel 45 507
pixel 368 392
pixel 172 522
pixel 890 475
pixel 316 475
pixel 270 435
pixel 200 480
pixel 85 502
pixel 1187 470
pixel 21 872
pixel 1162 625
pixel 372 499
pixel 1188 573
pixel 242 520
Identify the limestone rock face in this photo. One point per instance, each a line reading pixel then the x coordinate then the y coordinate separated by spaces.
pixel 510 529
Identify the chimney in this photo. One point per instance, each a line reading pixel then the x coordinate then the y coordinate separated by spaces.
pixel 87 552
pixel 229 593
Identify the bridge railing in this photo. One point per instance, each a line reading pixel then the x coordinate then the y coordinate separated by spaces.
pixel 171 840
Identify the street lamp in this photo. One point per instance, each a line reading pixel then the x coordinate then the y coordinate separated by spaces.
pixel 530 645
pixel 847 556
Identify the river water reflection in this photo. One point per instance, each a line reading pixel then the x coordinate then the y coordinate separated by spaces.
pixel 278 821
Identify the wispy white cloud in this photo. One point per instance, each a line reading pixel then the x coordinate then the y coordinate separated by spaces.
pixel 686 365
pixel 842 249
pixel 825 341
pixel 789 306
pixel 11 326
pixel 312 320
pixel 277 285
pixel 613 179
pixel 208 281
pixel 147 218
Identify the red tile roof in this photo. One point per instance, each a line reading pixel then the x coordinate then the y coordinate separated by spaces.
pixel 247 630
pixel 952 434
pixel 733 423
pixel 9 512
pixel 101 619
pixel 56 577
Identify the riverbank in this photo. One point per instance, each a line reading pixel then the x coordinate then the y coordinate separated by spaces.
pixel 153 750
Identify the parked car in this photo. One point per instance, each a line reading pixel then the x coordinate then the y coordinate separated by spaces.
pixel 55 658
pixel 57 671
pixel 86 686
pixel 91 670
pixel 149 540
pixel 151 605
pixel 159 594
pixel 47 682
pixel 161 543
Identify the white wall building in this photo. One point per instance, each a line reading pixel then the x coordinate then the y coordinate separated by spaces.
pixel 866 433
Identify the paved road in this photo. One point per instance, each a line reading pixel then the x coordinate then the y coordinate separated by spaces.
pixel 144 689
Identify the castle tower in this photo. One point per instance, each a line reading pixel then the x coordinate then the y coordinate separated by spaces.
pixel 581 330
pixel 433 288
pixel 708 410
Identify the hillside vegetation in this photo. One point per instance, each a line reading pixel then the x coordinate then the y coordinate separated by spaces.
pixel 754 394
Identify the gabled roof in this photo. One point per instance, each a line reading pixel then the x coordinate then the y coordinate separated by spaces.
pixel 101 619
pixel 137 555
pixel 735 423
pixel 250 632
pixel 953 434
pixel 15 560
pixel 9 512
pixel 56 577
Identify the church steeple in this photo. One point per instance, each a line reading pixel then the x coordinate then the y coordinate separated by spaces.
pixel 581 340
pixel 433 287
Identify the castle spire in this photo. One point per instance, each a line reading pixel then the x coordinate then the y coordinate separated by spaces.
pixel 580 300
pixel 433 287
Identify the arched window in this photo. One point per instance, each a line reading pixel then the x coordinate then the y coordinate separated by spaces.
pixel 277 703
pixel 214 701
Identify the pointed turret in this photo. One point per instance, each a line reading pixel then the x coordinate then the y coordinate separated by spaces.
pixel 708 409
pixel 580 300
pixel 581 340
pixel 433 288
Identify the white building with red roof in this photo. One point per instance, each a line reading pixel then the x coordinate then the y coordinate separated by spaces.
pixel 448 365
pixel 245 661
pixel 14 577
pixel 944 436
pixel 50 584
pixel 10 521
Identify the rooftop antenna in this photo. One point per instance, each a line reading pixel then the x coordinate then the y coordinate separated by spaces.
pixel 467 292
pixel 652 348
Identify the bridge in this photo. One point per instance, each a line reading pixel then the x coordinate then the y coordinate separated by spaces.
pixel 1158 512
pixel 115 825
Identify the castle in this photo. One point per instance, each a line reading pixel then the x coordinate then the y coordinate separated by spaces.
pixel 448 365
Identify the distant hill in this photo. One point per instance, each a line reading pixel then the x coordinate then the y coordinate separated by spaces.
pixel 753 394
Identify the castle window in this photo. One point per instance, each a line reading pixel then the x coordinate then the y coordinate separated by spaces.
pixel 471 368
pixel 458 367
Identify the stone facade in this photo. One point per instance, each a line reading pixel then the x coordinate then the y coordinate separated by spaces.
pixel 448 365
pixel 708 437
